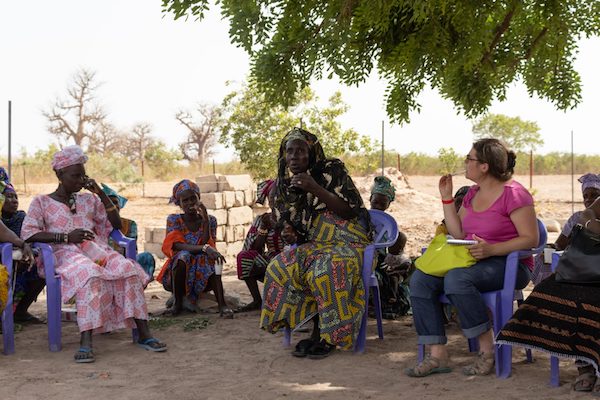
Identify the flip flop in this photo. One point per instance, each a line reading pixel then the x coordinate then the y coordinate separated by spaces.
pixel 302 348
pixel 88 355
pixel 29 319
pixel 147 345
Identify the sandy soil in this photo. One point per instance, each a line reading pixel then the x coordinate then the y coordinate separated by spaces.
pixel 233 359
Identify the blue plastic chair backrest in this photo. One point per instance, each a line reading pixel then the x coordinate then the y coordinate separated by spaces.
pixel 385 228
pixel 543 235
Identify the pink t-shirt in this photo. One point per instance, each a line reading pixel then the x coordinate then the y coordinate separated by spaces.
pixel 494 224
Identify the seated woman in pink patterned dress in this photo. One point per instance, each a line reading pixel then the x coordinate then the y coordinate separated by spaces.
pixel 108 288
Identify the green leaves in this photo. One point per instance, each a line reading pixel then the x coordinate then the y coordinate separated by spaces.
pixel 469 50
pixel 254 127
pixel 520 135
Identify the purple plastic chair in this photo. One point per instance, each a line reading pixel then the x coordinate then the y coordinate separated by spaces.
pixel 8 334
pixel 500 302
pixel 385 235
pixel 54 292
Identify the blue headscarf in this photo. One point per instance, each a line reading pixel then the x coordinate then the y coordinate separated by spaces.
pixel 110 192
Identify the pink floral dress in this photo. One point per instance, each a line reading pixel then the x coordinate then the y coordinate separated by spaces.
pixel 108 296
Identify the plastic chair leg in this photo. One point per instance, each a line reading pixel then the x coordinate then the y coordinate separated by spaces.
pixel 554 372
pixel 473 345
pixel 8 329
pixel 378 313
pixel 529 355
pixel 287 337
pixel 53 306
pixel 420 352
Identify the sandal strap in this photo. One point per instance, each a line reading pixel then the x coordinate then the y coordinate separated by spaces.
pixel 483 365
pixel 429 363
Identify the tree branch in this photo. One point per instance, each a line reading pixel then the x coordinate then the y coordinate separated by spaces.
pixel 499 32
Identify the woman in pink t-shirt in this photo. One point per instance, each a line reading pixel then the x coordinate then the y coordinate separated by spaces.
pixel 498 213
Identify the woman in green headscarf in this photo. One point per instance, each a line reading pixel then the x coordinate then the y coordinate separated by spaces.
pixel 393 266
pixel 129 229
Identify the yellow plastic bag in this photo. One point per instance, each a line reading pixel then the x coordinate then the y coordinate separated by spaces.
pixel 441 257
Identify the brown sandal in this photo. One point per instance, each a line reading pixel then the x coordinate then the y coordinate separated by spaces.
pixel 429 365
pixel 586 379
pixel 483 365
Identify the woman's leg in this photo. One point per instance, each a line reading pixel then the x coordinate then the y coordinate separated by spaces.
pixel 178 287
pixel 256 303
pixel 34 288
pixel 146 337
pixel 216 284
pixel 85 353
pixel 463 286
pixel 428 317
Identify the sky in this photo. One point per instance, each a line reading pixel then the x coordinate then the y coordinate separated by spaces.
pixel 151 66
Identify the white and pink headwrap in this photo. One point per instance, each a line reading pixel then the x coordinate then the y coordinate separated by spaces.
pixel 589 181
pixel 70 155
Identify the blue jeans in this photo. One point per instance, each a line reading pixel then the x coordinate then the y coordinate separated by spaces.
pixel 463 287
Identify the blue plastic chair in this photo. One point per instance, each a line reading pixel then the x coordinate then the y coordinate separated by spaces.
pixel 385 235
pixel 500 302
pixel 53 289
pixel 8 334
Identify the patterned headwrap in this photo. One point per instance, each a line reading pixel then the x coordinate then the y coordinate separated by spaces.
pixel 70 155
pixel 182 186
pixel 263 189
pixel 589 181
pixel 298 207
pixel 110 192
pixel 383 185
pixel 5 185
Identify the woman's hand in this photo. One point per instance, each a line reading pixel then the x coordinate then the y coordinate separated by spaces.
pixel 305 182
pixel 213 253
pixel 28 256
pixel 79 235
pixel 91 185
pixel 480 250
pixel 288 233
pixel 266 222
pixel 445 187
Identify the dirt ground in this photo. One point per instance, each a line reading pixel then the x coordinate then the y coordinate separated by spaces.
pixel 233 359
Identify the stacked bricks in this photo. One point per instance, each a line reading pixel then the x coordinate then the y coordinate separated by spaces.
pixel 231 200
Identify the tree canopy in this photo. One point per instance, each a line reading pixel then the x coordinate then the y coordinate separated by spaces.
pixel 470 51
pixel 254 127
pixel 518 134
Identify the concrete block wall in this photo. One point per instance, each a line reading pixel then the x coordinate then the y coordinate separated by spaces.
pixel 231 200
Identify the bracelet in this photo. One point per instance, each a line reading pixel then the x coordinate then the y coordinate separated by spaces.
pixel 111 208
pixel 449 201
pixel 590 220
pixel 205 247
pixel 65 237
pixel 262 231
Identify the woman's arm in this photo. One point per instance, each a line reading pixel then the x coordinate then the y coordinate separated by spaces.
pixel 526 225
pixel 451 217
pixel 589 217
pixel 111 210
pixel 6 235
pixel 333 202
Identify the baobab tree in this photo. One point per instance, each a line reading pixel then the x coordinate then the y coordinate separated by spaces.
pixel 202 132
pixel 78 116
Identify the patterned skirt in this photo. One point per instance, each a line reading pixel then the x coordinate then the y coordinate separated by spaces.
pixel 558 318
pixel 252 264
pixel 322 276
pixel 198 269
